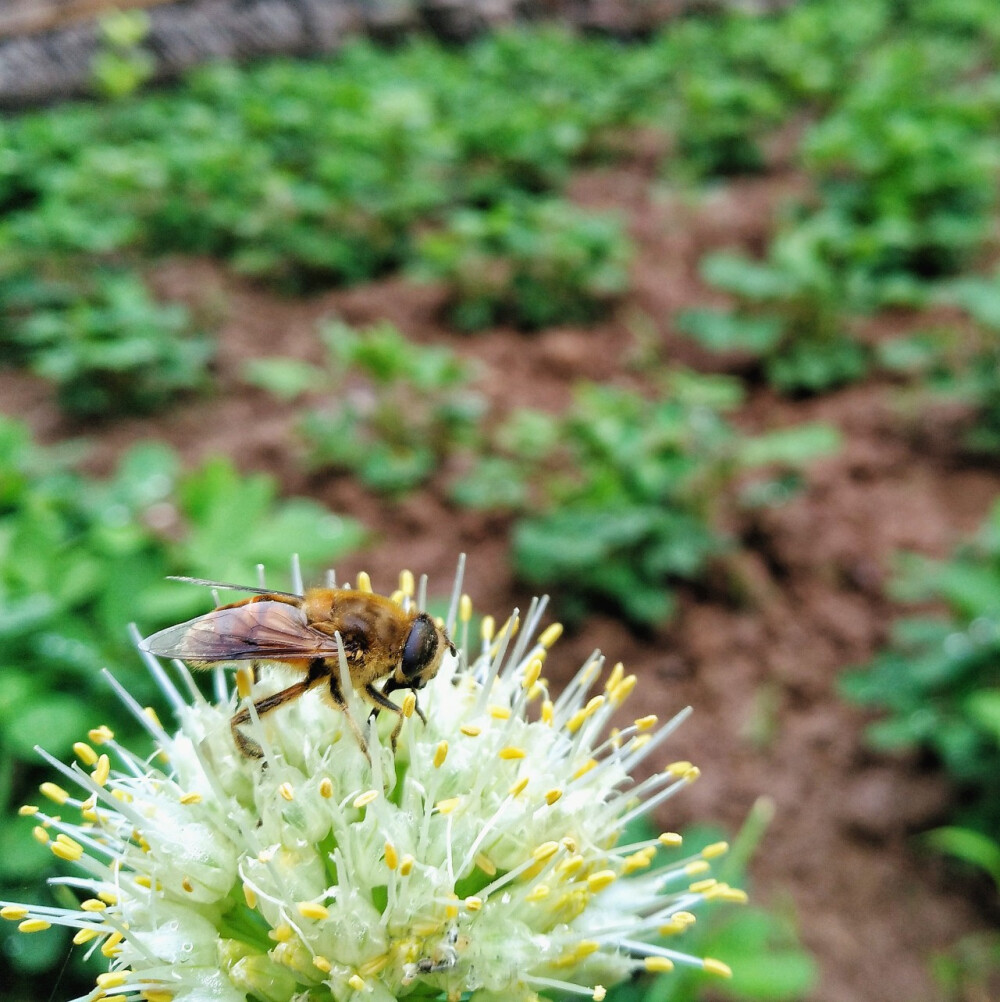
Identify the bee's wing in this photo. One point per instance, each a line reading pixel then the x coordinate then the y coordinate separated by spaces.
pixel 264 630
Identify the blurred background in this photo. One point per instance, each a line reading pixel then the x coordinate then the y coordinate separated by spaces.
pixel 687 315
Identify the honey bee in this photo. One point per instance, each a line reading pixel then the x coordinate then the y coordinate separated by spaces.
pixel 380 639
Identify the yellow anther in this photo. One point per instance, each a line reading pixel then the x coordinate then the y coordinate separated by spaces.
pixel 287 791
pixel 26 810
pixel 470 730
pixel 586 947
pixel 281 933
pixel 538 892
pixel 54 792
pixel 518 788
pixel 512 752
pixel 532 673
pixel 696 868
pixel 440 754
pixel 143 881
pixel 598 881
pixel 155 995
pixel 486 864
pixel 617 674
pixel 576 721
pixel 735 895
pixel 544 851
pixel 409 704
pixel 313 910
pixel 85 935
pixel 451 909
pixel 244 682
pixel 108 897
pixel 678 768
pixel 364 582
pixel 357 982
pixel 322 964
pixel 702 886
pixel 550 635
pixel 473 904
pixel 487 628
pixel 101 735
pixel 623 690
pixel 34 925
pixel 569 866
pixel 715 849
pixel 447 805
pixel 374 966
pixel 646 723
pixel 538 689
pixel 187 885
pixel 152 716
pixel 638 860
pixel 692 774
pixel 112 979
pixel 670 839
pixel 102 770
pixel 465 608
pixel 599 993
pixel 40 835
pixel 85 753
pixel 249 896
pixel 397 597
pixel 406 583
pixel 66 848
pixel 191 798
pixel 93 905
pixel 568 843
pixel 391 856
pixel 14 913
pixel 406 865
pixel 585 768
pixel 659 965
pixel 326 788
pixel 717 967
pixel 364 799
pixel 111 946
pixel 548 712
pixel 688 918
pixel 552 796
pixel 500 712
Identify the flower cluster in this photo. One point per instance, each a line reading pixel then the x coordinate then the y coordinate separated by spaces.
pixel 481 857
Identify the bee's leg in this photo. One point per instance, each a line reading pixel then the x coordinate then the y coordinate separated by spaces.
pixel 382 702
pixel 265 704
pixel 337 698
pixel 416 708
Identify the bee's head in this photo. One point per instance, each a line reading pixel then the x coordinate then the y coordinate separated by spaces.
pixel 422 653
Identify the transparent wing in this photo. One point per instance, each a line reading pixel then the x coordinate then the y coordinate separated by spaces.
pixel 265 630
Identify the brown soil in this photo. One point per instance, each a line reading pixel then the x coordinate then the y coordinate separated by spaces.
pixel 763 677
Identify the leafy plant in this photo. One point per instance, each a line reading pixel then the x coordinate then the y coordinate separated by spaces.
pixel 633 490
pixel 107 345
pixel 787 314
pixel 937 682
pixel 527 262
pixel 397 410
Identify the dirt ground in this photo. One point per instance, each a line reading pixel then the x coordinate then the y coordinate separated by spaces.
pixel 761 676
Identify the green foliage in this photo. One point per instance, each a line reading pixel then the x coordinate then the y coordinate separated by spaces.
pixel 527 262
pixel 632 489
pixel 938 681
pixel 105 343
pixel 787 314
pixel 397 411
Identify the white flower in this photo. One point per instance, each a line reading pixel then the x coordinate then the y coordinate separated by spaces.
pixel 481 858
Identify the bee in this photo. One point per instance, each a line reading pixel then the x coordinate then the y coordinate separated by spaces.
pixel 381 640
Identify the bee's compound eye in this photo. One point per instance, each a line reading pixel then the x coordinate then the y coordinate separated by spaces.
pixel 420 647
